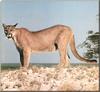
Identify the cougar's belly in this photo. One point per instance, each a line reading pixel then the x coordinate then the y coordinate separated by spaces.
pixel 51 48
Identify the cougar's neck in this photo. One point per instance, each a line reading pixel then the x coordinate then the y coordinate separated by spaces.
pixel 15 34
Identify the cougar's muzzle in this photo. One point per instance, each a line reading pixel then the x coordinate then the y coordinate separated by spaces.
pixel 8 35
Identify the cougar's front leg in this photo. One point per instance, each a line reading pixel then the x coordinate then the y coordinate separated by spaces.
pixel 26 58
pixel 21 56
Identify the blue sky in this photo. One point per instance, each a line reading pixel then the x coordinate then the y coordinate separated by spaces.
pixel 80 15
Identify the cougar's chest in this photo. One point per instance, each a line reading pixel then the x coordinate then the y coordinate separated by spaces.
pixel 17 43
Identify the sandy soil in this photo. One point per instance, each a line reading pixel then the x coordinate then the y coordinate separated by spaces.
pixel 73 78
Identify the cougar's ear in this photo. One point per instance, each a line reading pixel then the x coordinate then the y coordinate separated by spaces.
pixel 15 25
pixel 4 25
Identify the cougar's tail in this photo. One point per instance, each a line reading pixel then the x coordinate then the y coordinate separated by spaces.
pixel 74 51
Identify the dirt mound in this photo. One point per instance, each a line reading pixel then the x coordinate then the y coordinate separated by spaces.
pixel 78 78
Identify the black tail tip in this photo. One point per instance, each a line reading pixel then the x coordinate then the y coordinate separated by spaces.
pixel 93 61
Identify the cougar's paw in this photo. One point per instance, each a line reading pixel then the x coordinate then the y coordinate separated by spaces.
pixel 23 69
pixel 63 65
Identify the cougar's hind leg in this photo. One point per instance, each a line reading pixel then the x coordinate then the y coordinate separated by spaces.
pixel 62 53
pixel 62 44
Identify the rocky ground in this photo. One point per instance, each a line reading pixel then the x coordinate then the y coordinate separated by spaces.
pixel 73 78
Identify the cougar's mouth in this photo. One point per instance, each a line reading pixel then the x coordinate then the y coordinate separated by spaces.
pixel 9 36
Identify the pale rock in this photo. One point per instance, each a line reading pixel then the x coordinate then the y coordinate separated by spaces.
pixel 51 79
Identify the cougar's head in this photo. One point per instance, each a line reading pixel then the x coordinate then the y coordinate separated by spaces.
pixel 9 30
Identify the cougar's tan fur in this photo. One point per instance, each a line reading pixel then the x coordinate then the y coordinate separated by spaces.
pixel 50 39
